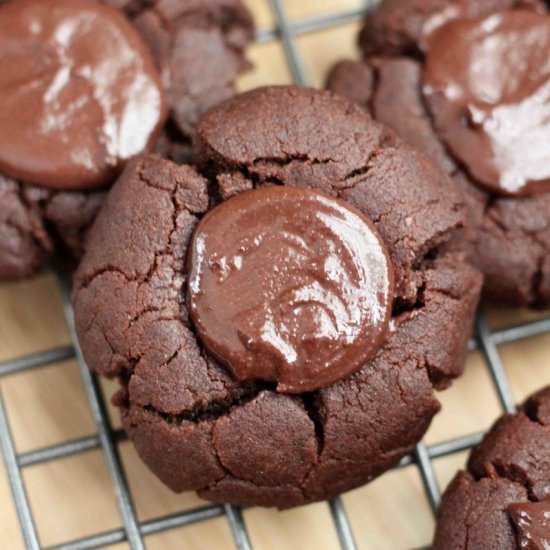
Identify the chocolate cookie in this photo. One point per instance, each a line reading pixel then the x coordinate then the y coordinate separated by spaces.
pixel 503 501
pixel 83 89
pixel 279 317
pixel 430 73
pixel 396 27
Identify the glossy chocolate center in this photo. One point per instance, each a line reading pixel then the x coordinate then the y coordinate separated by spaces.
pixel 532 524
pixel 79 93
pixel 290 286
pixel 487 82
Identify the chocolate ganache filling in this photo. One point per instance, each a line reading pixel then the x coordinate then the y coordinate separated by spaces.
pixel 487 83
pixel 532 523
pixel 79 90
pixel 290 286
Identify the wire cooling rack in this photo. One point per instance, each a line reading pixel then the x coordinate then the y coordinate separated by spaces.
pixel 107 438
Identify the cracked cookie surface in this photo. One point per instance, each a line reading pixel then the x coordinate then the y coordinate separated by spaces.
pixel 509 473
pixel 508 238
pixel 194 424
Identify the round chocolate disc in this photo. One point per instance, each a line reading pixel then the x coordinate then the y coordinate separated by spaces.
pixel 532 523
pixel 79 93
pixel 291 286
pixel 487 82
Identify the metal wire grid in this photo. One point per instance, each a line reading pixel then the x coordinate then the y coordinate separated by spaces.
pixel 106 438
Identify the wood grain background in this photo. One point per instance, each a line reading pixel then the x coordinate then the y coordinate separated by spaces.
pixel 74 497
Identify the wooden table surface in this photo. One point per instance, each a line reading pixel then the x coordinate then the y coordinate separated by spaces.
pixel 74 497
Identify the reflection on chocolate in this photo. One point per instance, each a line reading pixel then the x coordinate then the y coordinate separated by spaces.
pixel 79 93
pixel 487 82
pixel 291 286
pixel 532 523
pixel 438 20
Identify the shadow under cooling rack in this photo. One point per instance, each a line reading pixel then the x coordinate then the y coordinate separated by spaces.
pixel 107 439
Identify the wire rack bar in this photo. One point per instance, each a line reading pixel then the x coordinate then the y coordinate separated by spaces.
pixel 342 524
pixel 496 368
pixel 431 486
pixel 454 446
pixel 287 38
pixel 238 529
pixel 66 449
pixel 63 450
pixel 107 439
pixel 174 521
pixel 150 527
pixel 521 332
pixel 312 24
pixel 17 486
pixel 95 541
pixel 104 429
pixel 41 359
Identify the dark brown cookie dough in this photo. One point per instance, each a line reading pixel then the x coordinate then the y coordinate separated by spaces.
pixel 508 237
pixel 36 223
pixel 194 424
pixel 199 48
pixel 503 501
